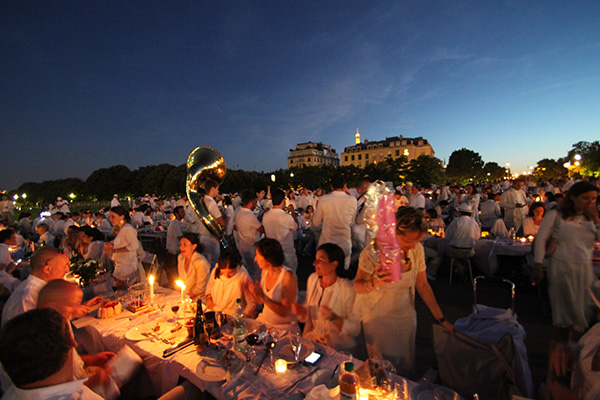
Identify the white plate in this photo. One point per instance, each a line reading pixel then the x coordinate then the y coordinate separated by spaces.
pixel 135 333
pixel 211 370
pixel 283 349
pixel 431 392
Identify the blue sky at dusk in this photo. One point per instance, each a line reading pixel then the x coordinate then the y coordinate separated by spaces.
pixel 86 85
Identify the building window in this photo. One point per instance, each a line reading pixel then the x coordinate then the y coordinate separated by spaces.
pixel 308 159
pixel 366 156
pixel 360 156
pixel 352 157
pixel 291 161
pixel 397 153
pixel 345 158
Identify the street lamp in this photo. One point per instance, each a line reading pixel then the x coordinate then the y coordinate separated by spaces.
pixel 24 195
pixel 273 177
pixel 578 157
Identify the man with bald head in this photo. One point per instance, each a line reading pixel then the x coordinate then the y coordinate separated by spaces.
pixel 47 264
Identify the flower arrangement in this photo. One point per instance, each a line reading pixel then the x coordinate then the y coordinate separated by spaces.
pixel 85 269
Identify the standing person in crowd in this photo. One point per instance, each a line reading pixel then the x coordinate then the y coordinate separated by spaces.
pixel 514 203
pixel 328 310
pixel 336 212
pixel 387 308
pixel 174 235
pixel 209 242
pixel 226 284
pixel 193 267
pixel 47 264
pixel 575 226
pixel 531 224
pixel 114 202
pixel 123 249
pixel 473 198
pixel 278 286
pixel 281 226
pixel 247 230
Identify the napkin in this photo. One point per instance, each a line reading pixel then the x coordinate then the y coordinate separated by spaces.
pixel 124 365
pixel 499 229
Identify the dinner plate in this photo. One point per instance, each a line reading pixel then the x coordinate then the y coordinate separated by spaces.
pixel 431 392
pixel 283 349
pixel 135 333
pixel 211 370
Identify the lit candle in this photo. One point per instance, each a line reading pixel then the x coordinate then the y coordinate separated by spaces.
pixel 182 286
pixel 151 280
pixel 280 366
pixel 523 240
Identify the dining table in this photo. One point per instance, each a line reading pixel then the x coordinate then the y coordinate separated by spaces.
pixel 217 368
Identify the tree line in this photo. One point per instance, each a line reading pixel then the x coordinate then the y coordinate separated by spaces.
pixel 165 179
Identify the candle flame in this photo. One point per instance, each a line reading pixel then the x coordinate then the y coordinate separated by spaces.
pixel 151 279
pixel 180 284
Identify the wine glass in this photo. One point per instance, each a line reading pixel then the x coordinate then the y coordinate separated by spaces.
pixel 295 341
pixel 161 301
pixel 175 309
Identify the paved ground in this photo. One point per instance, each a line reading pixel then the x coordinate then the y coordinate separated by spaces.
pixel 456 301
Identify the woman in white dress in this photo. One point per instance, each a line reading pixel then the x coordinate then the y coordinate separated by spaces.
pixel 278 286
pixel 328 311
pixel 531 223
pixel 193 267
pixel 123 249
pixel 387 309
pixel 92 243
pixel 226 285
pixel 575 226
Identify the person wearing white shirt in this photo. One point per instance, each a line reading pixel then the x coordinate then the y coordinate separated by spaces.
pixel 47 264
pixel 280 225
pixel 462 234
pixel 123 249
pixel 226 284
pixel 247 231
pixel 37 352
pixel 210 243
pixel 336 211
pixel 473 198
pixel 490 212
pixel 8 237
pixel 193 267
pixel 359 228
pixel 46 238
pixel 305 199
pixel 417 200
pixel 114 202
pixel 62 205
pixel 103 225
pixel 514 203
pixel 328 310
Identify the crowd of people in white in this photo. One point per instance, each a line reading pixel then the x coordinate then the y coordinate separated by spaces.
pixel 350 302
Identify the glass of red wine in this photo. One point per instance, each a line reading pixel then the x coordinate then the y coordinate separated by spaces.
pixel 175 309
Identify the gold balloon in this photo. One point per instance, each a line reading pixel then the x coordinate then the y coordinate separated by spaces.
pixel 205 163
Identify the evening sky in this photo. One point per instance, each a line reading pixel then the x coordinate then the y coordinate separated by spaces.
pixel 91 84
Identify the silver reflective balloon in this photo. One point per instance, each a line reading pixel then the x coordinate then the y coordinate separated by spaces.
pixel 205 163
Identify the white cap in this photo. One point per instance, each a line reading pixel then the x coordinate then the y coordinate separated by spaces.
pixel 408 183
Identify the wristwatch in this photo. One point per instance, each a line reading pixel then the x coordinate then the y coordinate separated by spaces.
pixel 441 320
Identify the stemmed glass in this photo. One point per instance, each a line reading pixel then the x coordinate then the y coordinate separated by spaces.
pixel 161 302
pixel 295 341
pixel 175 309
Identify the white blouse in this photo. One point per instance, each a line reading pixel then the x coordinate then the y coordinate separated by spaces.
pixel 225 291
pixel 197 277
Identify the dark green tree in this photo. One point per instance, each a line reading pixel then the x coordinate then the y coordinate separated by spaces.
pixel 493 171
pixel 105 182
pixel 549 168
pixel 425 170
pixel 464 164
